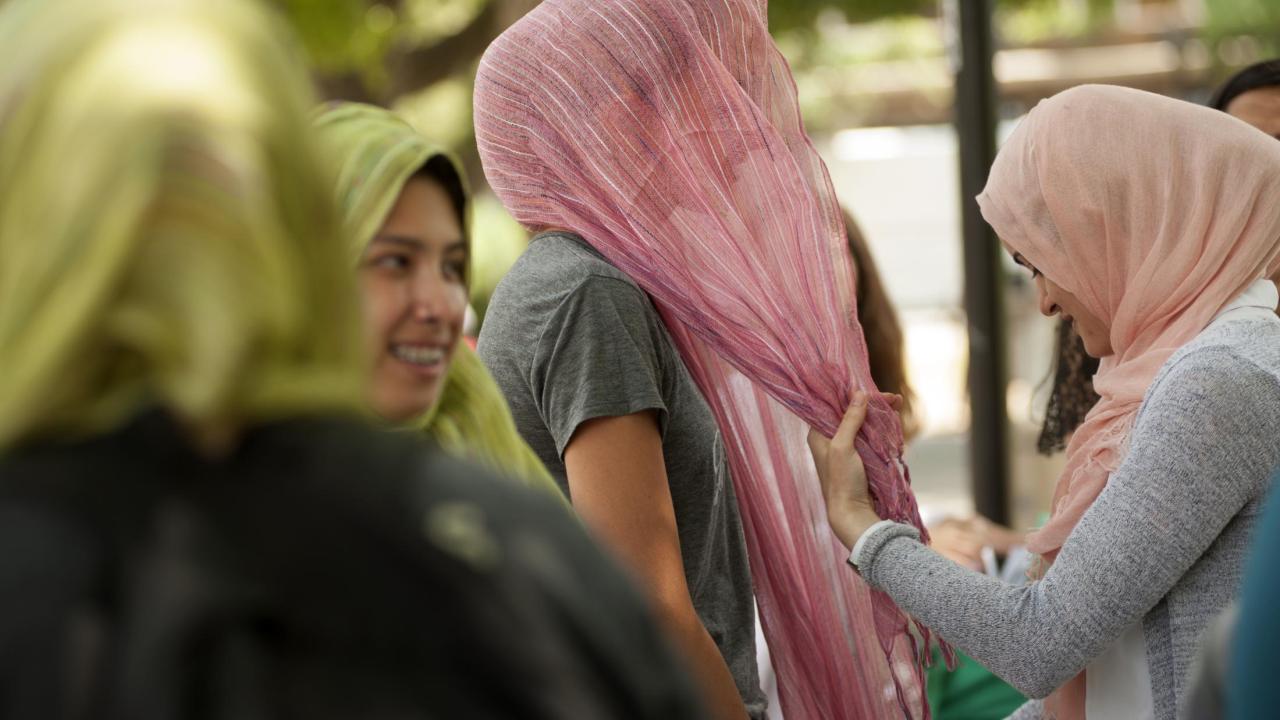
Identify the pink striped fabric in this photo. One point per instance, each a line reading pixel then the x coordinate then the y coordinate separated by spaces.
pixel 667 134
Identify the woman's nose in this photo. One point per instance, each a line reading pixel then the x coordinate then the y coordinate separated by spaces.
pixel 436 299
pixel 1047 307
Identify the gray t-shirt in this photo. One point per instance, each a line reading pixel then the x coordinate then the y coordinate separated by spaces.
pixel 569 338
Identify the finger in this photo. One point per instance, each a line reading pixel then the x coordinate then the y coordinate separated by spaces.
pixel 852 422
pixel 818 445
pixel 894 400
pixel 815 439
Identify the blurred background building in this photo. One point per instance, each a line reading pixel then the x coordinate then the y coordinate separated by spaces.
pixel 877 88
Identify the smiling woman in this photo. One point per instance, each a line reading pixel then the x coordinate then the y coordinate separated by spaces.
pixel 413 278
pixel 1167 277
pixel 1057 300
pixel 406 213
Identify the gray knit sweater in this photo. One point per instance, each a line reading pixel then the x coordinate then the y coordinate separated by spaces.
pixel 1164 543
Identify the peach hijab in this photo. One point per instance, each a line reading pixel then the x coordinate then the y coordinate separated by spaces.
pixel 1155 213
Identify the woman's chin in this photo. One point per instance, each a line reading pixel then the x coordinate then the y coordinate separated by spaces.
pixel 399 405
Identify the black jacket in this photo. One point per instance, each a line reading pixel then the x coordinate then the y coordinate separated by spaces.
pixel 323 570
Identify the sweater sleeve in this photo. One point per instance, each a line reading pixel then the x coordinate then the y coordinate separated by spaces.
pixel 1204 446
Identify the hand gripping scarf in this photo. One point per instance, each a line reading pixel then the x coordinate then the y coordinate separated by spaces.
pixel 667 134
pixel 376 153
pixel 1155 213
pixel 167 238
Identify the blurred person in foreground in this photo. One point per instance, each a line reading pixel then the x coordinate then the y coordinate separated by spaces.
pixel 1250 687
pixel 1231 678
pixel 406 219
pixel 194 520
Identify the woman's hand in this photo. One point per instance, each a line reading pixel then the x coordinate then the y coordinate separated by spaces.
pixel 959 540
pixel 843 478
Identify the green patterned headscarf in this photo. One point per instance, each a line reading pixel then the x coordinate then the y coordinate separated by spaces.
pixel 167 236
pixel 376 153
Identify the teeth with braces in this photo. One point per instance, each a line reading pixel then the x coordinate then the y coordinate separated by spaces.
pixel 418 355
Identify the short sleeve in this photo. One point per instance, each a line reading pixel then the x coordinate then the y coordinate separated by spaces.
pixel 602 353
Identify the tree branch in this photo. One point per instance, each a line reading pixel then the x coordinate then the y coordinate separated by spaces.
pixel 420 67
pixel 347 86
pixel 413 68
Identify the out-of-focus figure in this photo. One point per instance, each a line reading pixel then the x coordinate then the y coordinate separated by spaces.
pixel 1253 95
pixel 194 520
pixel 406 217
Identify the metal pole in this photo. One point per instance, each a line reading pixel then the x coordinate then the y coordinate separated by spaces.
pixel 975 113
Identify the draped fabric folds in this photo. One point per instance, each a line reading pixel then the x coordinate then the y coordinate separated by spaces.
pixel 668 135
pixel 375 153
pixel 167 238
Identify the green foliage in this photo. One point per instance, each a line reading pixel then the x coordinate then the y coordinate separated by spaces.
pixel 441 112
pixel 1244 14
pixel 1258 20
pixel 846 44
pixel 357 37
pixel 497 240
pixel 1031 21
pixel 342 35
pixel 429 21
pixel 787 15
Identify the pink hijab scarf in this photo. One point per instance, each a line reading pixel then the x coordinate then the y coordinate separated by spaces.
pixel 1155 213
pixel 667 134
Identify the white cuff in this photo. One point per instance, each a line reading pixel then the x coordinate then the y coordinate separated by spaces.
pixel 855 557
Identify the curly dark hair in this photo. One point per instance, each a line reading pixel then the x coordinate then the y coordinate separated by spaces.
pixel 1072 396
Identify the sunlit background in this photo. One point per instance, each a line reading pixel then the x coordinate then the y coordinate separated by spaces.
pixel 875 81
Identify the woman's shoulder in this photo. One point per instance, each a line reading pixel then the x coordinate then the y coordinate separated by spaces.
pixel 559 279
pixel 1230 353
pixel 1232 367
pixel 562 261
